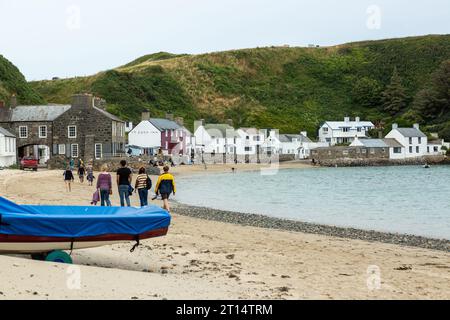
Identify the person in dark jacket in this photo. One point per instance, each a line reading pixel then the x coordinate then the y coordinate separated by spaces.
pixel 165 186
pixel 68 179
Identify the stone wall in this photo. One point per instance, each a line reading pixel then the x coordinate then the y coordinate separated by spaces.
pixel 33 133
pixel 219 158
pixel 431 160
pixel 348 153
pixel 93 127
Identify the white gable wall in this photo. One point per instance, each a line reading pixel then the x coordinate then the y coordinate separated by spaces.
pixel 145 135
pixel 7 151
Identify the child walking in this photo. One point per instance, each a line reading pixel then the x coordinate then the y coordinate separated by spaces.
pixel 165 186
pixel 68 179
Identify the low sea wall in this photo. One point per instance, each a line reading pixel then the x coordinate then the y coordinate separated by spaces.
pixel 431 160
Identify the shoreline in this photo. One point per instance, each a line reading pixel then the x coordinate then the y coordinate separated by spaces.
pixel 281 224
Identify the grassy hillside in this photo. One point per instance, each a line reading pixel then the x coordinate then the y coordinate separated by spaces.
pixel 12 81
pixel 291 89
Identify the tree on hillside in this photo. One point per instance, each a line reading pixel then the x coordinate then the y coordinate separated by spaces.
pixel 394 97
pixel 366 92
pixel 434 100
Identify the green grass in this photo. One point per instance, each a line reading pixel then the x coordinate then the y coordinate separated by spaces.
pixel 292 89
pixel 13 82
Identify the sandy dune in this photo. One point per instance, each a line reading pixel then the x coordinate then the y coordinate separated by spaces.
pixel 212 260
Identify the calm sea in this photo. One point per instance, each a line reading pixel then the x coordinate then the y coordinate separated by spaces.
pixel 410 200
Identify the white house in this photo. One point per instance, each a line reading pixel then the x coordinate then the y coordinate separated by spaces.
pixel 337 132
pixel 215 138
pixel 152 134
pixel 8 154
pixel 249 141
pixel 298 144
pixel 414 141
pixel 128 126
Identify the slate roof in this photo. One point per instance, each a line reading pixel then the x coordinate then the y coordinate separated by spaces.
pixel 109 115
pixel 223 128
pixel 337 125
pixel 393 143
pixel 6 133
pixel 374 143
pixel 36 113
pixel 291 137
pixel 411 132
pixel 164 124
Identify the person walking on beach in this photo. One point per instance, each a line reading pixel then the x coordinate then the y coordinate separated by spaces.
pixel 72 164
pixel 165 186
pixel 104 185
pixel 124 177
pixel 68 179
pixel 90 174
pixel 143 184
pixel 81 173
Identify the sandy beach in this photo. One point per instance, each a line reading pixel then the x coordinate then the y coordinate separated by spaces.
pixel 203 259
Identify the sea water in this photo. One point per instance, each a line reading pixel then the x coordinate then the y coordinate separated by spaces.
pixel 409 199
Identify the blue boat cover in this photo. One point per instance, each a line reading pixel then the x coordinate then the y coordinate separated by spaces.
pixel 79 221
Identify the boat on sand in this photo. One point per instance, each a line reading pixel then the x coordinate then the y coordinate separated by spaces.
pixel 44 231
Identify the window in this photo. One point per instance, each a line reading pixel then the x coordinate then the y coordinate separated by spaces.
pixel 325 130
pixel 74 152
pixel 364 151
pixel 410 141
pixel 397 150
pixel 345 129
pixel 61 149
pixel 72 132
pixel 42 131
pixel 247 138
pixel 417 149
pixel 248 148
pixel 98 151
pixel 410 150
pixel 372 150
pixel 256 138
pixel 23 132
pixel 359 129
pixel 420 140
pixel 436 149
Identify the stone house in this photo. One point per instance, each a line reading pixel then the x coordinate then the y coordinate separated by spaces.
pixel 80 130
pixel 350 153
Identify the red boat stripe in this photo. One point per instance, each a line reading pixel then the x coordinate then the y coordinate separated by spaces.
pixel 105 237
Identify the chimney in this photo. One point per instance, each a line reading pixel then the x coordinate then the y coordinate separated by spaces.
pixel 380 134
pixel 179 121
pixel 169 116
pixel 100 103
pixel 394 126
pixel 145 116
pixel 84 101
pixel 416 126
pixel 304 133
pixel 13 101
pixel 347 119
pixel 230 122
pixel 357 119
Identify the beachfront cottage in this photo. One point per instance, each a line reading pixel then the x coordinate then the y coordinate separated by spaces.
pixel 414 141
pixel 249 141
pixel 82 129
pixel 215 138
pixel 153 134
pixel 7 148
pixel 342 132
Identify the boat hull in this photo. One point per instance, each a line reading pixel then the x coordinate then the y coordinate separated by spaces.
pixel 31 244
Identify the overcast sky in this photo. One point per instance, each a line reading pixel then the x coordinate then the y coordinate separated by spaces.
pixel 64 38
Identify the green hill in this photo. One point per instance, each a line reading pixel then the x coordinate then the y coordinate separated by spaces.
pixel 291 89
pixel 13 82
